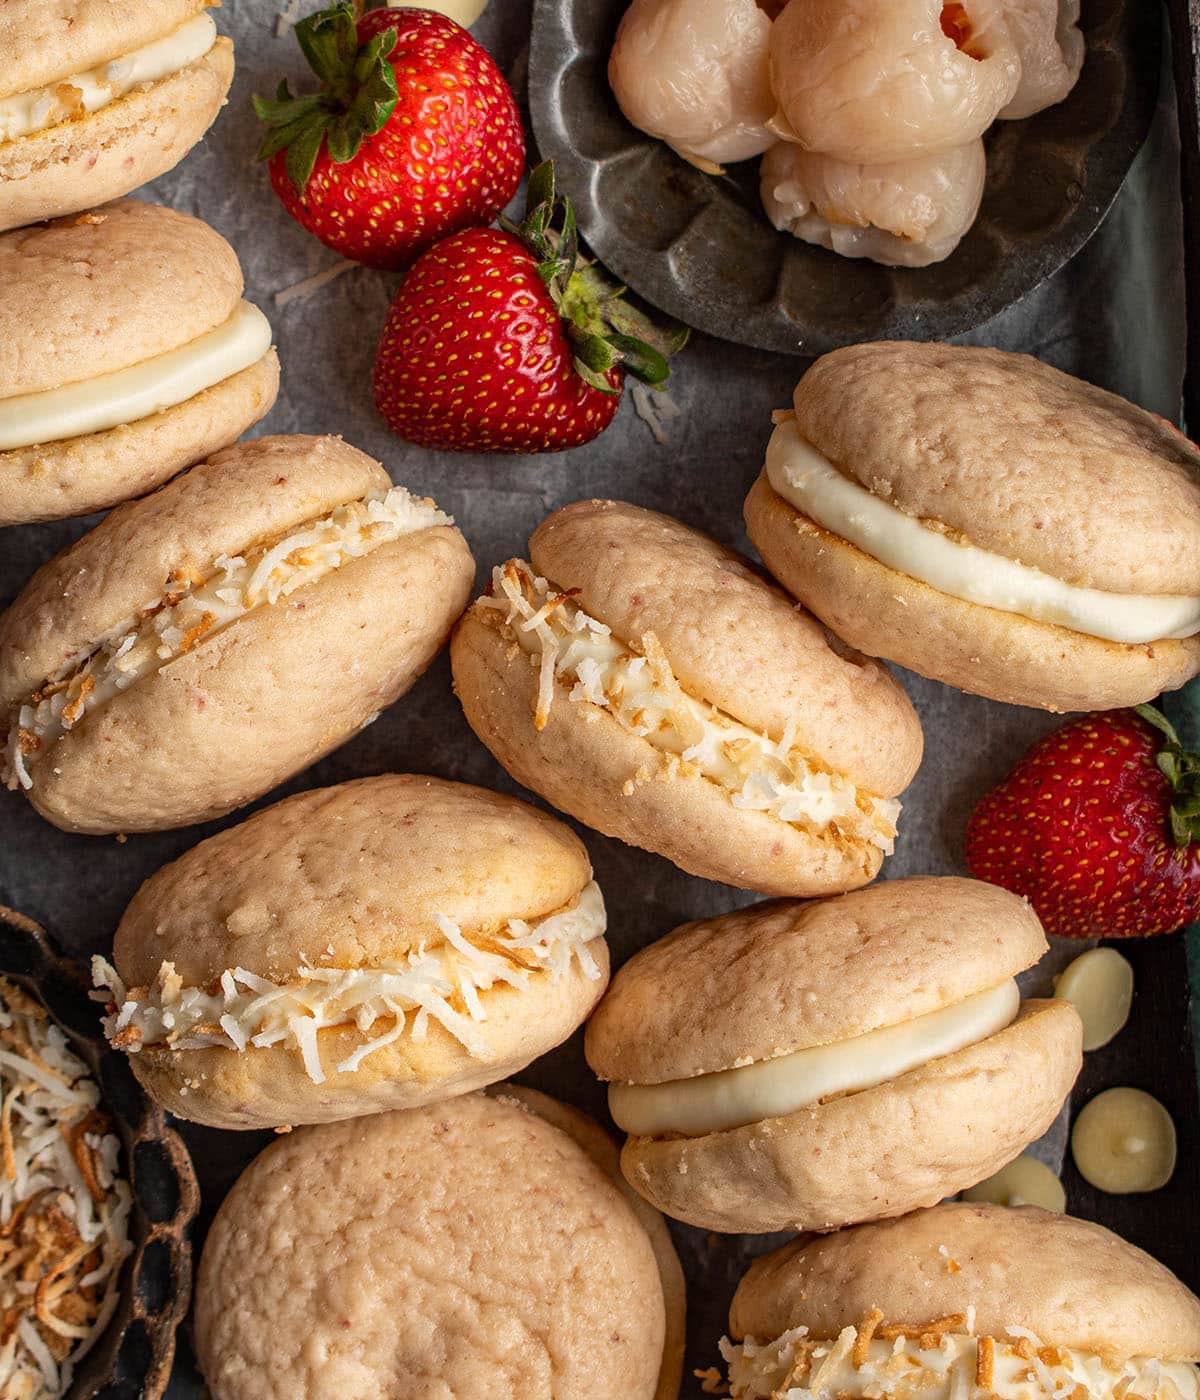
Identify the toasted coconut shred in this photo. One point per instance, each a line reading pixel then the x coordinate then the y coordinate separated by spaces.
pixel 442 983
pixel 640 691
pixel 942 1360
pixel 64 1210
pixel 193 608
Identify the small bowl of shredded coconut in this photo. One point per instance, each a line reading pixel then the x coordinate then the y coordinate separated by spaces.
pixel 95 1269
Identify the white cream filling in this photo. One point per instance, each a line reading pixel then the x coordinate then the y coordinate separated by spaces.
pixel 731 1098
pixel 812 484
pixel 443 983
pixel 26 113
pixel 127 395
pixel 192 609
pixel 872 1362
pixel 642 694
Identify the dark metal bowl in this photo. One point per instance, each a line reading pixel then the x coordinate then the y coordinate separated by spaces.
pixel 132 1359
pixel 701 248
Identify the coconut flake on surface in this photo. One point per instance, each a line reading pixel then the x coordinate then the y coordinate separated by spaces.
pixel 287 17
pixel 656 408
pixel 308 286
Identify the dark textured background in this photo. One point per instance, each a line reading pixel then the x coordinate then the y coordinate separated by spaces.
pixel 1114 315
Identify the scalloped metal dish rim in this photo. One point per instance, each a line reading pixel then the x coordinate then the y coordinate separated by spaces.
pixel 173 1234
pixel 765 326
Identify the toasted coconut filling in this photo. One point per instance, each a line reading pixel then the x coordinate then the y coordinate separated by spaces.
pixel 942 1360
pixel 808 481
pixel 63 1208
pixel 751 1092
pixel 26 113
pixel 193 609
pixel 139 391
pixel 444 983
pixel 640 691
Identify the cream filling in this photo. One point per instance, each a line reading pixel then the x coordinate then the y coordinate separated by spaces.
pixel 26 113
pixel 731 1098
pixel 127 395
pixel 811 483
pixel 443 983
pixel 875 1361
pixel 193 609
pixel 642 694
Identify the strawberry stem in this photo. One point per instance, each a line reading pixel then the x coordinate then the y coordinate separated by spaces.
pixel 605 331
pixel 1181 768
pixel 358 95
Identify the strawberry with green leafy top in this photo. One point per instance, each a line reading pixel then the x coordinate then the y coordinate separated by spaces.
pixel 506 340
pixel 413 134
pixel 1098 826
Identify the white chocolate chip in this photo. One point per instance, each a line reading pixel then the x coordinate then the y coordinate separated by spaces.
pixel 1024 1182
pixel 1124 1141
pixel 1099 984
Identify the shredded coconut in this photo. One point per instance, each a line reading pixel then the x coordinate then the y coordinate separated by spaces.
pixel 639 690
pixel 924 1365
pixel 191 609
pixel 240 1010
pixel 63 1207
pixel 307 286
pixel 656 408
pixel 287 17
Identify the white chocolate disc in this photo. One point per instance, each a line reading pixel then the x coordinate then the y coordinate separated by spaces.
pixel 1099 984
pixel 464 12
pixel 1124 1141
pixel 1024 1182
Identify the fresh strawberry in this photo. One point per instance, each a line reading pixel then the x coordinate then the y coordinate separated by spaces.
pixel 1098 826
pixel 414 134
pixel 504 340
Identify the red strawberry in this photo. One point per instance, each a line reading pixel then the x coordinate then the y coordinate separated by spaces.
pixel 501 340
pixel 413 135
pixel 1098 826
